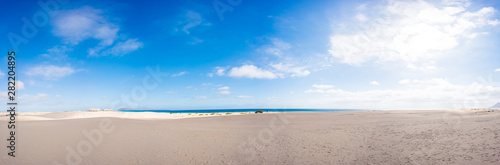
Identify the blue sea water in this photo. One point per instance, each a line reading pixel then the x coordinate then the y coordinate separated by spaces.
pixel 243 110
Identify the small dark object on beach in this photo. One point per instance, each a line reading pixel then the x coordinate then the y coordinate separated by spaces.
pixel 259 111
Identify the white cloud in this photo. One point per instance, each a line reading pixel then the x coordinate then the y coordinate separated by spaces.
pixel 34 98
pixel 404 81
pixel 78 25
pixel 2 74
pixel 432 93
pixel 245 97
pixel 19 85
pixel 50 71
pixel 224 92
pixel 361 7
pixel 219 71
pixel 200 97
pixel 281 63
pixel 223 88
pixel 318 88
pixel 192 20
pixel 374 83
pixel 191 87
pixel 464 3
pixel 322 86
pixel 272 99
pixel 288 69
pixel 274 51
pixel 122 48
pixel 497 70
pixel 57 52
pixel 280 44
pixel 179 74
pixel 361 17
pixel 277 48
pixel 426 67
pixel 314 91
pixel 410 31
pixel 251 71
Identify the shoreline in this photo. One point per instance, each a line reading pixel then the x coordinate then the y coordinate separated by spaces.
pixel 68 115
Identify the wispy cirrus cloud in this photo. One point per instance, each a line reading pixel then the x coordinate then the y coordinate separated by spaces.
pixel 180 74
pixel 123 48
pixel 200 97
pixel 322 86
pixel 77 25
pixel 34 98
pixel 59 52
pixel 245 97
pixel 50 71
pixel 224 92
pixel 283 61
pixel 192 21
pixel 278 63
pixel 223 88
pixel 277 47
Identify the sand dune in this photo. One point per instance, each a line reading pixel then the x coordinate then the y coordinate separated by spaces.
pixel 376 137
pixel 35 116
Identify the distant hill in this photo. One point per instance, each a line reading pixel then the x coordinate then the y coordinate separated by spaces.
pixel 496 105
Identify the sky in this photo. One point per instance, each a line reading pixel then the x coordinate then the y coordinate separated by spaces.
pixel 188 54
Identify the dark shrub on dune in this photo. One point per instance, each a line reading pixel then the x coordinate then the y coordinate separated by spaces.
pixel 259 111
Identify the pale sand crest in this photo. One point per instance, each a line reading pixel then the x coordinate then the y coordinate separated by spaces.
pixel 375 137
pixel 33 116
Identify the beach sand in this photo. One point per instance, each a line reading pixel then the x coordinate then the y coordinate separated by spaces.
pixel 366 137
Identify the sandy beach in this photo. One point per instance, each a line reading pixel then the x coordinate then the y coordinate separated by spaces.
pixel 366 137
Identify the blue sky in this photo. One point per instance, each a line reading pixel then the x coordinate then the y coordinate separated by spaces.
pixel 395 54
